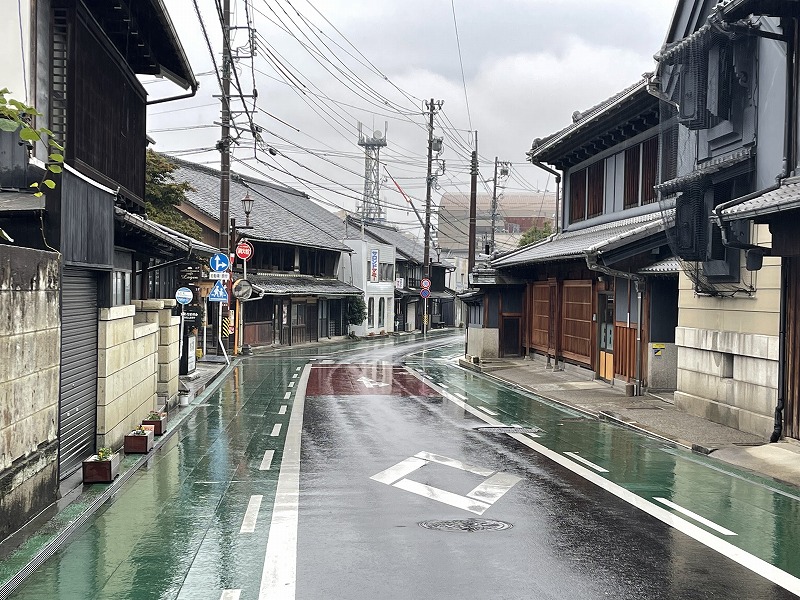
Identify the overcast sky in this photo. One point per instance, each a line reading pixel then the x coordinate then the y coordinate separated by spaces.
pixel 527 65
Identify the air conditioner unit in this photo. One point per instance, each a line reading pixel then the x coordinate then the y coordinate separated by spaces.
pixel 691 226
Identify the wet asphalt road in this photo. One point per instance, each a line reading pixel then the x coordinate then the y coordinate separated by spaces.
pixel 385 443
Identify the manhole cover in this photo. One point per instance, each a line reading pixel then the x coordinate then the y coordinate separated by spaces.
pixel 508 429
pixel 468 525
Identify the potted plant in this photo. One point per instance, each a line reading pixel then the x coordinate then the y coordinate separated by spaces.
pixel 140 440
pixel 158 420
pixel 103 467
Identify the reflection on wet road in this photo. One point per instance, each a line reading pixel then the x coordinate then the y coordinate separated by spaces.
pixel 307 475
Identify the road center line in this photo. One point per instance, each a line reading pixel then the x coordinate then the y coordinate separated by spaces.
pixel 266 462
pixel 251 514
pixel 279 578
pixel 588 463
pixel 282 410
pixel 276 430
pixel 695 517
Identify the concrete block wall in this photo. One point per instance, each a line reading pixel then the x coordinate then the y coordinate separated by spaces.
pixel 728 377
pixel 127 365
pixel 160 313
pixel 30 351
pixel 483 343
pixel 662 367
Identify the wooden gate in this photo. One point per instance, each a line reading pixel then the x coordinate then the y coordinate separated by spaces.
pixel 576 321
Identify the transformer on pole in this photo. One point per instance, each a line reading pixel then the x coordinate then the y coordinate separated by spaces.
pixel 370 208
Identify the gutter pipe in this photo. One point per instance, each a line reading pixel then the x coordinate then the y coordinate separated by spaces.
pixel 194 87
pixel 638 280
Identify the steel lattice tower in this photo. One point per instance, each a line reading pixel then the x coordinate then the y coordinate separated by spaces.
pixel 370 208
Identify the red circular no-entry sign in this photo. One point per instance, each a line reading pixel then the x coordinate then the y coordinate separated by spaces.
pixel 244 250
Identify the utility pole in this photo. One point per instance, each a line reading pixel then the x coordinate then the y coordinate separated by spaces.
pixel 224 145
pixel 473 197
pixel 431 107
pixel 494 206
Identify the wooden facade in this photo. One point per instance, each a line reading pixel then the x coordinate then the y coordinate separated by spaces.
pixel 792 391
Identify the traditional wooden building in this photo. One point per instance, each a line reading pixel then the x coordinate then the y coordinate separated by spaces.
pixel 294 270
pixel 589 294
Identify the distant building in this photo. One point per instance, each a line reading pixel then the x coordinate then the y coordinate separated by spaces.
pixel 516 213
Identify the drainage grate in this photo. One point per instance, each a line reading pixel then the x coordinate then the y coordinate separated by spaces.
pixel 468 525
pixel 507 429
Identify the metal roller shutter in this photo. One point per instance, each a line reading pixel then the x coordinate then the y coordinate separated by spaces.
pixel 78 397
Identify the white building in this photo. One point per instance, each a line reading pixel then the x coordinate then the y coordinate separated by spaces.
pixel 371 268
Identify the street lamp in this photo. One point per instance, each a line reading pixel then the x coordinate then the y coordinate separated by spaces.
pixel 247 204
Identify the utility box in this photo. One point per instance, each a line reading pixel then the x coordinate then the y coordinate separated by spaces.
pixel 189 355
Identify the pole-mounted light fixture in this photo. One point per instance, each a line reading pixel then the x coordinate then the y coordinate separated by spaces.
pixel 247 204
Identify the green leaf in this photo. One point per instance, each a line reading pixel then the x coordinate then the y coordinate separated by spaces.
pixel 18 105
pixel 50 183
pixel 38 194
pixel 55 145
pixel 3 100
pixel 5 91
pixel 5 236
pixel 44 131
pixel 8 125
pixel 29 135
pixel 54 168
pixel 35 184
pixel 57 157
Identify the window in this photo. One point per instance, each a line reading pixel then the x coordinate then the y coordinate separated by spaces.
pixel 577 196
pixel 381 312
pixel 386 271
pixel 649 170
pixel 596 186
pixel 632 168
pixel 122 288
pixel 371 313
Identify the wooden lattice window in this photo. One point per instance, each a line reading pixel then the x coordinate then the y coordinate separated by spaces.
pixel 577 196
pixel 632 176
pixel 596 186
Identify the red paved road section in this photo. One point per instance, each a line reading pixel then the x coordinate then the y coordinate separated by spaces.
pixel 365 380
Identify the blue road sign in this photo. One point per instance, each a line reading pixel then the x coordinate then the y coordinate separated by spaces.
pixel 219 262
pixel 184 295
pixel 218 293
pixel 424 292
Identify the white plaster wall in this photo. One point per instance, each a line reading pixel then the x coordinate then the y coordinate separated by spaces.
pixel 12 74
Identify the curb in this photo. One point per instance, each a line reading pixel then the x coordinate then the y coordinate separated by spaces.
pixel 58 542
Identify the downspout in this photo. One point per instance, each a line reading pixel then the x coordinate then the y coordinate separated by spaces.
pixel 591 262
pixel 779 406
pixel 558 184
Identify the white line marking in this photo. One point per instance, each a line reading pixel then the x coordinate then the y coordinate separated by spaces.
pixel 400 470
pixel 589 464
pixel 287 395
pixel 282 410
pixel 443 385
pixel 470 504
pixel 230 594
pixel 276 430
pixel 749 561
pixel 488 411
pixel 460 396
pixel 266 462
pixel 492 489
pixel 294 376
pixel 291 384
pixel 251 514
pixel 297 368
pixel 696 517
pixel 456 464
pixel 279 578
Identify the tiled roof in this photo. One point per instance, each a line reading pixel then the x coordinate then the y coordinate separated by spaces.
pixel 287 284
pixel 786 197
pixel 668 266
pixel 280 214
pixel 705 169
pixel 411 248
pixel 176 239
pixel 577 243
pixel 581 119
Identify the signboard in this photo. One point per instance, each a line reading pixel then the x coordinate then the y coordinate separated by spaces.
pixel 219 262
pixel 244 250
pixel 219 293
pixel 184 295
pixel 374 266
pixel 425 283
pixel 219 276
pixel 242 289
pixel 400 283
pixel 424 292
pixel 191 354
pixel 658 349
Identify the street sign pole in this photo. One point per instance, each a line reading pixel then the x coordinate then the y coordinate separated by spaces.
pixel 180 342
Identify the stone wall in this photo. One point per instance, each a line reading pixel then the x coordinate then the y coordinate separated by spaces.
pixel 30 346
pixel 126 373
pixel 483 342
pixel 160 312
pixel 662 367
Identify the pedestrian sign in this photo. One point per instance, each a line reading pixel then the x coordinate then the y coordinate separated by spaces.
pixel 219 262
pixel 218 293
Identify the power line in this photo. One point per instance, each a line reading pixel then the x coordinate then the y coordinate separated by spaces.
pixel 461 62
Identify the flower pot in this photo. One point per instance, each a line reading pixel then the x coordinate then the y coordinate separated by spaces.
pixel 159 425
pixel 139 444
pixel 100 471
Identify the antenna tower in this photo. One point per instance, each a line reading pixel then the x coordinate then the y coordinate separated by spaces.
pixel 370 208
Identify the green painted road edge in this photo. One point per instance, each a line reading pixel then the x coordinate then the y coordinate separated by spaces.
pixel 60 539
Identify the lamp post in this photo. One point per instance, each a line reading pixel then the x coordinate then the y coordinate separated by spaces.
pixel 247 206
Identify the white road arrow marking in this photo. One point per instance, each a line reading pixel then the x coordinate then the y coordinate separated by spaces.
pixel 371 383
